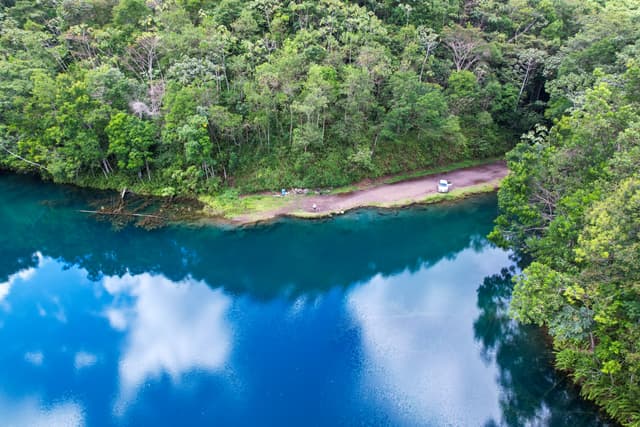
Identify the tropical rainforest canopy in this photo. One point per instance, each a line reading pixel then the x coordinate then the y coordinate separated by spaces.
pixel 572 204
pixel 191 96
pixel 195 96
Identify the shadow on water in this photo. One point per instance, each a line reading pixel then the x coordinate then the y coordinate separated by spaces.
pixel 532 392
pixel 264 261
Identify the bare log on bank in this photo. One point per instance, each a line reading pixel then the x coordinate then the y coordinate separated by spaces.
pixel 122 214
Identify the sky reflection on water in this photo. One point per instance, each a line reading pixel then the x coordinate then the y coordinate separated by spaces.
pixel 420 349
pixel 375 318
pixel 171 329
pixel 396 349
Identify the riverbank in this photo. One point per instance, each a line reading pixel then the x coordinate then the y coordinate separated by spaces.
pixel 232 209
pixel 386 192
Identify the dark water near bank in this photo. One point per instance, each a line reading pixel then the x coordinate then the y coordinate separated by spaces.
pixel 372 318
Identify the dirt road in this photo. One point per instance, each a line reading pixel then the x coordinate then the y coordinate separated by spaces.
pixel 380 194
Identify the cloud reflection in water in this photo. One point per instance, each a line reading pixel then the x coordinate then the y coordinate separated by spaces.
pixel 410 323
pixel 22 275
pixel 172 328
pixel 31 412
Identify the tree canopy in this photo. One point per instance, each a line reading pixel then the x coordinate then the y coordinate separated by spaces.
pixel 197 95
pixel 571 203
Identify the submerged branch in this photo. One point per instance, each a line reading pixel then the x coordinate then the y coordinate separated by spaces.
pixel 122 214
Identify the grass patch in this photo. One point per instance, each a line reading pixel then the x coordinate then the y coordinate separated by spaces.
pixel 310 215
pixel 229 204
pixel 461 193
pixel 346 189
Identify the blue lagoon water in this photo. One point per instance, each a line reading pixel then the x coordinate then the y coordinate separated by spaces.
pixel 373 318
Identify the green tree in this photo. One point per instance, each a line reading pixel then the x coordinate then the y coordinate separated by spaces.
pixel 130 141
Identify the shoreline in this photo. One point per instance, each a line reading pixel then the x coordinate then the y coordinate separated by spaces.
pixel 441 199
pixel 472 180
pixel 388 192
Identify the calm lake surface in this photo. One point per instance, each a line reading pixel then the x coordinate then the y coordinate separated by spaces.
pixel 373 318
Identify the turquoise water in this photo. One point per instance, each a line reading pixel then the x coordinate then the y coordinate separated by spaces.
pixel 372 318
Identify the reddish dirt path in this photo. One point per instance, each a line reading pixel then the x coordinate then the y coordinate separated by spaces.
pixel 377 194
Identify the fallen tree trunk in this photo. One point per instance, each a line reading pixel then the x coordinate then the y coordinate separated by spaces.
pixel 122 214
pixel 22 158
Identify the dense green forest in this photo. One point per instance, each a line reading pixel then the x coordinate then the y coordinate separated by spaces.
pixel 195 96
pixel 192 96
pixel 572 204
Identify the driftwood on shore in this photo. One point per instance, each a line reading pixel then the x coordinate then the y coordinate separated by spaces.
pixel 122 214
pixel 126 207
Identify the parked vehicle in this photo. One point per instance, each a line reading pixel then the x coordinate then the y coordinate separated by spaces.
pixel 443 186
